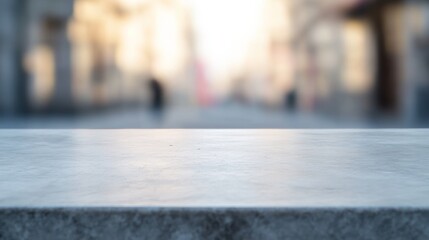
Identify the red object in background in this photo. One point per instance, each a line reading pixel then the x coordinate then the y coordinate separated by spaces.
pixel 204 97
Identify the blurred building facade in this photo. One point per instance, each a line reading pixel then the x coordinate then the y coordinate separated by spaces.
pixel 66 56
pixel 364 60
pixel 345 58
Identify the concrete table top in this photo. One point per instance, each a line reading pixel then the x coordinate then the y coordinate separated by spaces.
pixel 214 168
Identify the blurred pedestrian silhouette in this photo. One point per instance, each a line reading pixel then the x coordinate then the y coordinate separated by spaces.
pixel 157 97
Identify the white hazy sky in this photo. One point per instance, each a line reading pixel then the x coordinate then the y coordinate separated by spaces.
pixel 224 30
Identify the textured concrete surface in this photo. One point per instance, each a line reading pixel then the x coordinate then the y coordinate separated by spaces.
pixel 208 168
pixel 138 223
pixel 214 184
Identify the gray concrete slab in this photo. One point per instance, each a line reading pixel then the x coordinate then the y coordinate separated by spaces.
pixel 214 168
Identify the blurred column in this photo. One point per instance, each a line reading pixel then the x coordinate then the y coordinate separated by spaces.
pixel 9 26
pixel 13 78
pixel 416 86
pixel 48 55
pixel 62 97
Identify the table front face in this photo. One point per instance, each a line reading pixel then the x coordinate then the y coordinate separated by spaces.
pixel 238 168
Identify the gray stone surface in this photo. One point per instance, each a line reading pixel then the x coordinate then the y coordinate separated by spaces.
pixel 214 168
pixel 284 223
pixel 214 184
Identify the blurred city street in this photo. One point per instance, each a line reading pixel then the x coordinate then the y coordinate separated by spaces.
pixel 236 116
pixel 178 64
